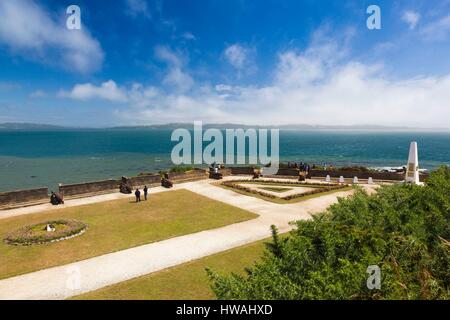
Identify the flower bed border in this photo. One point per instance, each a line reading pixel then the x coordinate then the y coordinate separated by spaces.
pixel 20 237
pixel 325 187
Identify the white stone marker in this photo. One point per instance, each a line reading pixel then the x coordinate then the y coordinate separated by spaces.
pixel 370 181
pixel 412 168
pixel 328 178
pixel 341 179
pixel 355 180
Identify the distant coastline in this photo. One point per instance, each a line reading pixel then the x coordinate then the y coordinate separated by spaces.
pixel 171 126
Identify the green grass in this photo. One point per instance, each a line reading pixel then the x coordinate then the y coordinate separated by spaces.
pixel 187 281
pixel 113 226
pixel 283 201
pixel 276 189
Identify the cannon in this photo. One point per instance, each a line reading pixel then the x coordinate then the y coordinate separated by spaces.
pixel 215 174
pixel 166 183
pixel 302 176
pixel 56 199
pixel 256 173
pixel 125 186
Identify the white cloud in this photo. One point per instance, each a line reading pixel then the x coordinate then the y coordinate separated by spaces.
pixel 165 54
pixel 107 91
pixel 9 86
pixel 38 94
pixel 175 77
pixel 411 18
pixel 137 95
pixel 241 58
pixel 297 69
pixel 223 87
pixel 236 55
pixel 29 30
pixel 437 30
pixel 188 36
pixel 383 47
pixel 310 86
pixel 138 7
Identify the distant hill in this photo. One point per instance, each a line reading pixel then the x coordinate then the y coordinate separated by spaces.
pixel 172 126
pixel 29 126
pixel 283 127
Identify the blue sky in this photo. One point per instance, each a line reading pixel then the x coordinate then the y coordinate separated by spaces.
pixel 254 62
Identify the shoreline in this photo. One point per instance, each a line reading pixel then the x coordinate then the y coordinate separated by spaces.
pixel 29 176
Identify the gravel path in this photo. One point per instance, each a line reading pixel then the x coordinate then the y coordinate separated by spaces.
pixel 65 281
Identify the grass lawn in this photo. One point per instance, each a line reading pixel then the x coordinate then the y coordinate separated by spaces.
pixel 115 225
pixel 283 201
pixel 276 189
pixel 187 281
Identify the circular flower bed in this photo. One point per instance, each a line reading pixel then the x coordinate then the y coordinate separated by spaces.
pixel 45 232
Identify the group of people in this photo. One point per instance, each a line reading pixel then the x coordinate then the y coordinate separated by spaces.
pixel 304 167
pixel 215 167
pixel 137 193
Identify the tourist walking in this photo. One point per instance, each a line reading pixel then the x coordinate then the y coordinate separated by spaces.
pixel 137 193
pixel 145 192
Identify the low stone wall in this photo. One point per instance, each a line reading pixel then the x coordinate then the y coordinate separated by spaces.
pixel 13 198
pixel 40 195
pixel 362 175
pixel 89 188
pixel 286 173
pixel 149 180
pixel 193 175
pixel 241 171
pixel 225 172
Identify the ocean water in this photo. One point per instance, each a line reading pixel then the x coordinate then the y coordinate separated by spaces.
pixel 45 158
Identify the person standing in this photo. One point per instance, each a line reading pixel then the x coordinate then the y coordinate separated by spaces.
pixel 137 193
pixel 145 192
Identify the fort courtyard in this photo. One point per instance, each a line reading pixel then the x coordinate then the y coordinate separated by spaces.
pixel 159 248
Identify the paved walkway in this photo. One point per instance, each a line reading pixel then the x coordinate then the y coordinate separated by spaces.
pixel 91 274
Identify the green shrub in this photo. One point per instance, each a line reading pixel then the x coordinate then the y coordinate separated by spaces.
pixel 181 169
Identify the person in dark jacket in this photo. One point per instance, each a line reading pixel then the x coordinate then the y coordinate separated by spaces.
pixel 145 192
pixel 137 193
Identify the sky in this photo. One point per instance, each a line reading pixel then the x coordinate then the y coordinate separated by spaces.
pixel 273 62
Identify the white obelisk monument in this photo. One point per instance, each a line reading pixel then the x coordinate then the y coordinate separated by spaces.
pixel 412 168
